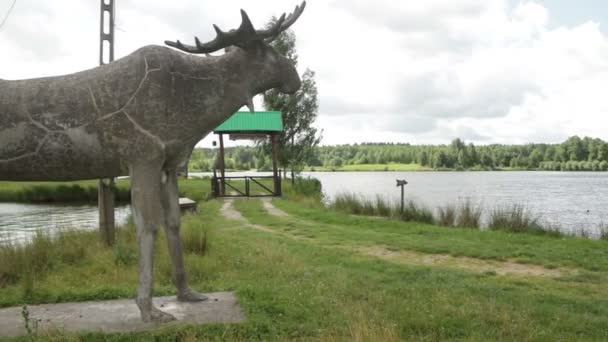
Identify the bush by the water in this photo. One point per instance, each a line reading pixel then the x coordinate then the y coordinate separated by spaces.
pixel 25 262
pixel 86 191
pixel 379 206
pixel 447 216
pixel 310 187
pixel 55 192
pixel 515 219
pixel 468 215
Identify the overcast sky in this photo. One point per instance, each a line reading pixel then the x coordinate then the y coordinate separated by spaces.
pixel 488 71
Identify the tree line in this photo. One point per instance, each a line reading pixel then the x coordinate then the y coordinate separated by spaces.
pixel 574 154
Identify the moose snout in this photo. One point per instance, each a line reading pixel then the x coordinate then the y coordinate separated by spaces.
pixel 292 86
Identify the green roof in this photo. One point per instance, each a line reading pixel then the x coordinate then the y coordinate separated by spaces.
pixel 256 122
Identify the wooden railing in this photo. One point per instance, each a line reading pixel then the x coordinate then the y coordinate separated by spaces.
pixel 245 186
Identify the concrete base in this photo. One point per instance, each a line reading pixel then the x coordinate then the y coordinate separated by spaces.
pixel 118 315
pixel 187 205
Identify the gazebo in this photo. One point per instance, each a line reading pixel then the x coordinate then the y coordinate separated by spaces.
pixel 248 126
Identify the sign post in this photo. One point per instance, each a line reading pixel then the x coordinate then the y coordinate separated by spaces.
pixel 401 183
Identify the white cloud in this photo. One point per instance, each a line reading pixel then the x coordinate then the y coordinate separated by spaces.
pixel 423 72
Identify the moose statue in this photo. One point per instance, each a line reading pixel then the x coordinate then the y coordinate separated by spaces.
pixel 140 116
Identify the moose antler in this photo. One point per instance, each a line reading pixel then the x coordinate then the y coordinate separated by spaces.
pixel 241 36
pixel 281 24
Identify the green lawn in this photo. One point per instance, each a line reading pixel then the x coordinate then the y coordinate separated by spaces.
pixel 305 277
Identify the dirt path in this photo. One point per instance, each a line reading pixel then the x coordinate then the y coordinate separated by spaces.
pixel 229 212
pixel 406 257
pixel 465 263
pixel 272 210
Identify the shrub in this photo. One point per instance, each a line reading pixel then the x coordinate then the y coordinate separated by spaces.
pixel 603 229
pixel 43 254
pixel 514 219
pixel 195 236
pixel 123 255
pixel 414 212
pixel 310 187
pixel 382 207
pixel 379 206
pixel 447 216
pixel 348 203
pixel 468 216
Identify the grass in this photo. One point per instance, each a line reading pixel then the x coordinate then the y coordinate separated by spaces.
pixel 514 219
pixel 84 191
pixel 446 216
pixel 47 192
pixel 468 215
pixel 379 206
pixel 306 281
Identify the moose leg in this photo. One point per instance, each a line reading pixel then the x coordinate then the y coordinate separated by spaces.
pixel 146 204
pixel 170 202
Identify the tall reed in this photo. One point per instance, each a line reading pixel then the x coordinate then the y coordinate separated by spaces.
pixel 516 218
pixel 380 206
pixel 469 215
pixel 447 216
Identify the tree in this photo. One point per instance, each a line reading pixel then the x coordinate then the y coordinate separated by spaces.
pixel 298 141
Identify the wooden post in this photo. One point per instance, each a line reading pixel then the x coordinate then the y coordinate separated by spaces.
pixel 105 199
pixel 402 199
pixel 275 171
pixel 222 167
pixel 401 183
pixel 293 175
pixel 105 192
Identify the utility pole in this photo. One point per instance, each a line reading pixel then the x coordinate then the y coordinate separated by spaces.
pixel 106 186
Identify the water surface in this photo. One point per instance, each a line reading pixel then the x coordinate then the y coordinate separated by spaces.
pixel 20 222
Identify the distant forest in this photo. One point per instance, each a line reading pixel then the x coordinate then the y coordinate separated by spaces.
pixel 575 154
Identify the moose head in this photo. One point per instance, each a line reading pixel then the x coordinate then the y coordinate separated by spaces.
pixel 252 49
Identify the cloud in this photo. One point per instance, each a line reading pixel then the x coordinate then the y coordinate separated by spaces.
pixel 423 72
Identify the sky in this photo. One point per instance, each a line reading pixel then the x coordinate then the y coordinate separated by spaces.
pixel 423 72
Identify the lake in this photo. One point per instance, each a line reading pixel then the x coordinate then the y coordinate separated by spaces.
pixel 571 201
pixel 19 222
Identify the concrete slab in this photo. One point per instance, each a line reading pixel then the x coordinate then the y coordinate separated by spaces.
pixel 118 315
pixel 188 205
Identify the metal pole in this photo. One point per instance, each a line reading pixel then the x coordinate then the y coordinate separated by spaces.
pixel 107 13
pixel 105 198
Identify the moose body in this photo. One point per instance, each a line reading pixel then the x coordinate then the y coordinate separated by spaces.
pixel 140 116
pixel 155 103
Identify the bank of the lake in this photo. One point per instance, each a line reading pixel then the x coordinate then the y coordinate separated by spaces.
pixel 29 208
pixel 318 274
pixel 572 202
pixel 389 167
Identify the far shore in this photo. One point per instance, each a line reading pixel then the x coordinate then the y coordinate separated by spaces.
pixel 397 167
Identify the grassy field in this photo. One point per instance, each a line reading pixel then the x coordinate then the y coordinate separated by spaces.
pixel 84 191
pixel 373 167
pixel 318 274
